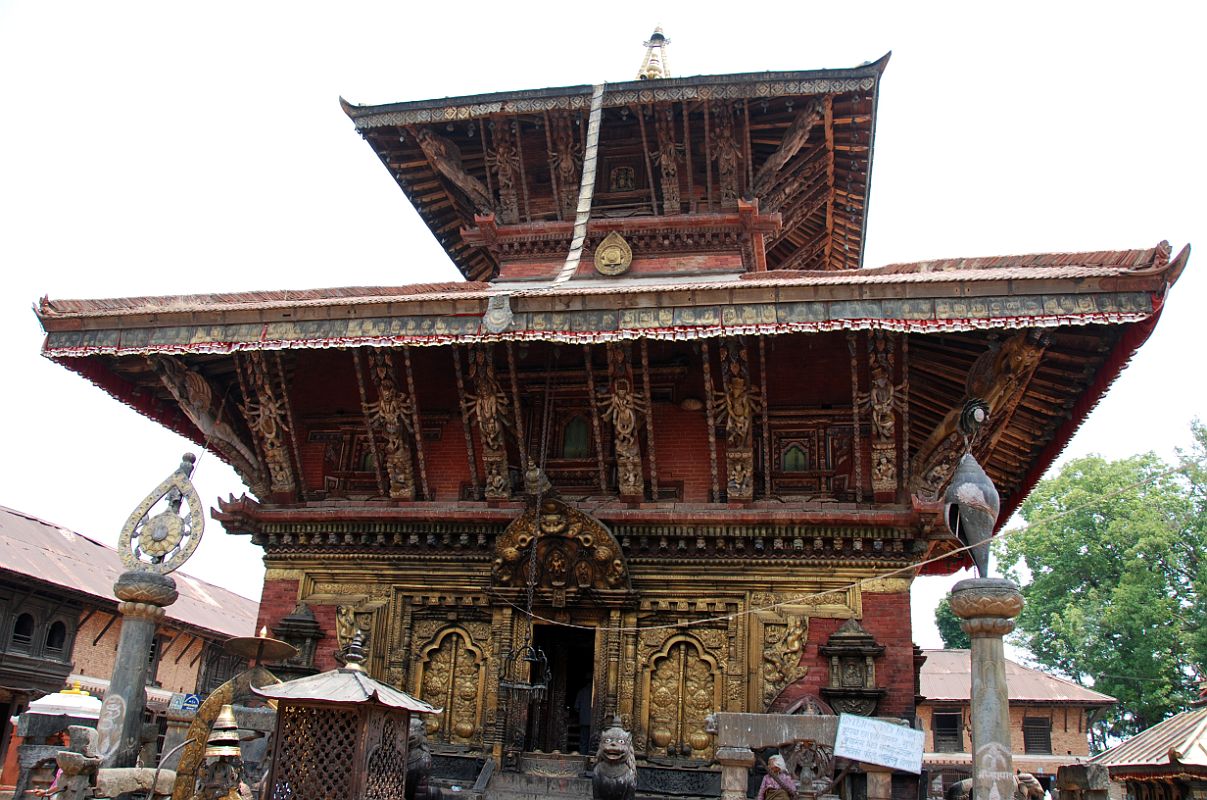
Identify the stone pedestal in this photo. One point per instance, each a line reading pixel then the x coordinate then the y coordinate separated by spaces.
pixel 988 607
pixel 735 768
pixel 120 727
pixel 880 782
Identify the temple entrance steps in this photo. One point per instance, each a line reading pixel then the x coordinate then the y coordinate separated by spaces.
pixel 542 775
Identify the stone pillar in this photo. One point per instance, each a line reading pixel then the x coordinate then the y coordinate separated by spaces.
pixel 988 607
pixel 143 595
pixel 177 733
pixel 735 771
pixel 880 782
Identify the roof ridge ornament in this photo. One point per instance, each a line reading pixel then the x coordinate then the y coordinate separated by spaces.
pixel 655 64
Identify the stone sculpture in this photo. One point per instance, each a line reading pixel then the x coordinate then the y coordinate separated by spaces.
pixel 419 764
pixel 615 766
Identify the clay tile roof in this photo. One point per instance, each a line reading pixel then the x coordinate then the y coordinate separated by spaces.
pixel 48 553
pixel 947 677
pixel 1181 738
pixel 236 300
pixel 1033 265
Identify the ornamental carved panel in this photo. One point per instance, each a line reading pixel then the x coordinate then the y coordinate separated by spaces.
pixel 451 675
pixel 683 686
pixel 575 554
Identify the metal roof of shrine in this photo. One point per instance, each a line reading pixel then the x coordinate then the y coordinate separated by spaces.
pixel 1178 741
pixel 344 686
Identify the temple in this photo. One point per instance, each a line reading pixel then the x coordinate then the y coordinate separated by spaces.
pixel 670 431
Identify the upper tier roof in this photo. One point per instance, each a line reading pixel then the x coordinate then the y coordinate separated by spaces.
pixel 799 143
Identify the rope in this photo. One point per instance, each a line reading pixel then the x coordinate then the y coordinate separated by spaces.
pixel 586 190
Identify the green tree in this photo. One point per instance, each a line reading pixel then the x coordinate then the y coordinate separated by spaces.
pixel 953 636
pixel 1109 562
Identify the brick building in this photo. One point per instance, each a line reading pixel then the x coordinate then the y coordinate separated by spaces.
pixel 668 403
pixel 59 624
pixel 1050 718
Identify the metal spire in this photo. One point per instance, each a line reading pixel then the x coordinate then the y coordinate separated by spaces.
pixel 655 64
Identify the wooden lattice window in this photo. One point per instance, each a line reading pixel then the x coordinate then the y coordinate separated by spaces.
pixel 1037 735
pixel 948 731
pixel 316 747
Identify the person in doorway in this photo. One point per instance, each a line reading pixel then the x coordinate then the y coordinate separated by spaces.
pixel 582 706
pixel 777 784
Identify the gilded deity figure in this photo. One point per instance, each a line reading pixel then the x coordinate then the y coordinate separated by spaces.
pixel 489 404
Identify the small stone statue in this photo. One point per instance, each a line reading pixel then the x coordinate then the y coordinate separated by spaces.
pixel 419 764
pixel 615 765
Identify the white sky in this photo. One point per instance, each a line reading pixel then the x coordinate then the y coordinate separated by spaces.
pixel 183 147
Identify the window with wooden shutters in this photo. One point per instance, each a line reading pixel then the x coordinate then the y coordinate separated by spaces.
pixel 949 731
pixel 1037 735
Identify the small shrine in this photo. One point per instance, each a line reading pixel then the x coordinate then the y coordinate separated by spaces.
pixel 341 734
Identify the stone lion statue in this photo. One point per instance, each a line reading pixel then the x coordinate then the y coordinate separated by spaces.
pixel 419 764
pixel 615 766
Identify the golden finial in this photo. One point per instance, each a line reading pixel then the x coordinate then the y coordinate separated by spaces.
pixel 655 64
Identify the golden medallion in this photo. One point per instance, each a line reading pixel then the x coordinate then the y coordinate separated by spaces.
pixel 613 255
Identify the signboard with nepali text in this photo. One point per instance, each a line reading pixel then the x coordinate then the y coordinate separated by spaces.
pixel 874 741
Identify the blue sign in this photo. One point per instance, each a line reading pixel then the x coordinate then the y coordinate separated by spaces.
pixel 192 702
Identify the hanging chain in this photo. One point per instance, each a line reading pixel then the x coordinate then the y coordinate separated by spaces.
pixel 542 484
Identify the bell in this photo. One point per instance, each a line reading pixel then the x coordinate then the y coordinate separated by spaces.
pixel 224 735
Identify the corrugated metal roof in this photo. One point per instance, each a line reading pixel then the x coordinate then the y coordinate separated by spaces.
pixel 55 555
pixel 344 686
pixel 947 677
pixel 1181 738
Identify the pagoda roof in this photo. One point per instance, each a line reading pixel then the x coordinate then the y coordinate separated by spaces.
pixel 1042 290
pixel 697 87
pixel 801 140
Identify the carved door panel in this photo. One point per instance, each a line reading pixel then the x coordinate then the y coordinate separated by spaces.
pixel 684 688
pixel 452 678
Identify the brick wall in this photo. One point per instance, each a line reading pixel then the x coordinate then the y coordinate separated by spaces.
pixel 1069 735
pixel 278 598
pixel 96 661
pixel 886 617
